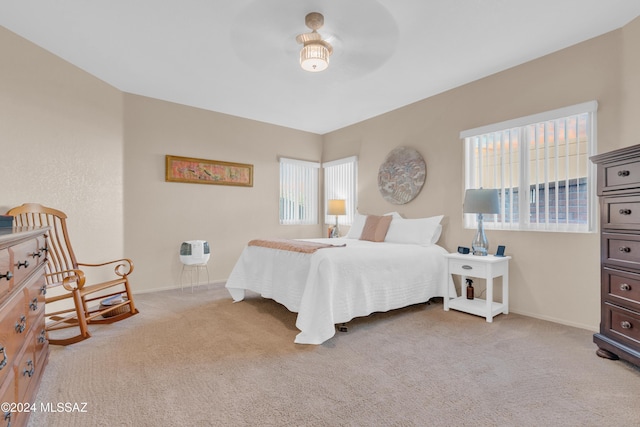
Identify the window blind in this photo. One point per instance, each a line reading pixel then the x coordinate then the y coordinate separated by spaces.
pixel 298 191
pixel 340 182
pixel 540 165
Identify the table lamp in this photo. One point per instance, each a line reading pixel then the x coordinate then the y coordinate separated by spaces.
pixel 336 207
pixel 480 201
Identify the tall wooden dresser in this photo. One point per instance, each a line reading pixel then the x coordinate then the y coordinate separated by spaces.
pixel 24 348
pixel 619 191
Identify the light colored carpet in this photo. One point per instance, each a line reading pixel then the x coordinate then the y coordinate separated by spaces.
pixel 200 360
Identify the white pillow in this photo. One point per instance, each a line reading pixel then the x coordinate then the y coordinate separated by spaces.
pixel 356 228
pixel 358 224
pixel 422 231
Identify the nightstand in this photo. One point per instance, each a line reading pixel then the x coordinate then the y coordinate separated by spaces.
pixel 482 267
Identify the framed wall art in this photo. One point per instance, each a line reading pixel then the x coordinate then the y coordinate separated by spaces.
pixel 202 171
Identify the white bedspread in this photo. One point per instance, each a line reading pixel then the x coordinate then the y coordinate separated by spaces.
pixel 335 285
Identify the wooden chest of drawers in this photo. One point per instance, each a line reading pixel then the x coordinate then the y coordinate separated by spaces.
pixel 619 191
pixel 24 348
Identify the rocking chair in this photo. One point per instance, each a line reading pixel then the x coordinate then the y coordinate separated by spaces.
pixel 77 303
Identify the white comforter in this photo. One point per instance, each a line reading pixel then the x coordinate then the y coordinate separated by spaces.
pixel 335 285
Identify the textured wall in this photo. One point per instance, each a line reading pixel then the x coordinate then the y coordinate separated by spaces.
pixel 61 145
pixel 630 84
pixel 160 215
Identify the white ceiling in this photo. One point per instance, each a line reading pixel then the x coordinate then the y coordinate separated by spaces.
pixel 240 57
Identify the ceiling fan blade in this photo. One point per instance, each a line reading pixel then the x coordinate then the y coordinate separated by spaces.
pixel 308 37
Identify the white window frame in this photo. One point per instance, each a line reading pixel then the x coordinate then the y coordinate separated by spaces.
pixel 341 182
pixel 299 181
pixel 519 128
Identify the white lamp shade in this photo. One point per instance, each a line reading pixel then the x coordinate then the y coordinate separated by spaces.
pixel 481 201
pixel 337 207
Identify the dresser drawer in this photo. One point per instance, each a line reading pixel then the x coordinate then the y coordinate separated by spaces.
pixel 621 324
pixel 13 325
pixel 621 250
pixel 621 213
pixel 621 287
pixel 26 368
pixel 26 257
pixel 34 297
pixel 621 175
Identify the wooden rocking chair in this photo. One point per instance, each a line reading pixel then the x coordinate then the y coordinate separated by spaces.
pixel 69 297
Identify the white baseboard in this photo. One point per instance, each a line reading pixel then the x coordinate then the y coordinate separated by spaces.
pixel 556 320
pixel 214 283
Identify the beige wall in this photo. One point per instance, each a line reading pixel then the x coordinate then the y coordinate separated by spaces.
pixel 630 107
pixel 160 215
pixel 553 276
pixel 61 144
pixel 82 146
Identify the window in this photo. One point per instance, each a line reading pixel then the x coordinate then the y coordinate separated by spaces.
pixel 340 183
pixel 540 165
pixel 298 192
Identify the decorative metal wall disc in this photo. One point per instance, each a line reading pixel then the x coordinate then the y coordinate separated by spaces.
pixel 402 175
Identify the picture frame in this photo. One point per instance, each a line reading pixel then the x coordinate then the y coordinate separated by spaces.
pixel 202 171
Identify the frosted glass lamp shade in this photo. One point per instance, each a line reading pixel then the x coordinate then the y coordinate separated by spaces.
pixel 314 57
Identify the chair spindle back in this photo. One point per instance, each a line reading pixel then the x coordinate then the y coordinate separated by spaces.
pixel 61 257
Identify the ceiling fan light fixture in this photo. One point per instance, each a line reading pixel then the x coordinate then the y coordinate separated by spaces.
pixel 314 57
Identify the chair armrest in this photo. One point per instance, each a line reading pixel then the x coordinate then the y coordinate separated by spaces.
pixel 123 267
pixel 73 279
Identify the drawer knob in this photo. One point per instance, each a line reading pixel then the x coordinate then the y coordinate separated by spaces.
pixel 7 276
pixel 625 287
pixel 21 325
pixel 43 337
pixel 625 324
pixel 37 254
pixel 24 264
pixel 43 290
pixel 3 363
pixel 34 304
pixel 625 211
pixel 467 267
pixel 623 173
pixel 29 371
pixel 625 249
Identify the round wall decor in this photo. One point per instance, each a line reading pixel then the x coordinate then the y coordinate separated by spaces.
pixel 402 175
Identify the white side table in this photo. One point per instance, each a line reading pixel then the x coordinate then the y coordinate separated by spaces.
pixel 191 269
pixel 483 267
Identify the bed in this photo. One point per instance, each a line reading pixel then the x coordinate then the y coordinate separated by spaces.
pixel 349 278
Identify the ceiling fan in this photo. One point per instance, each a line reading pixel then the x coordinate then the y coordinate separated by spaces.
pixel 315 53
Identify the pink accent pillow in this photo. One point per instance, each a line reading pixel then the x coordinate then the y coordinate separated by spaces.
pixel 375 228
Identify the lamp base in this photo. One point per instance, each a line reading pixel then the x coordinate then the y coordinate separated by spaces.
pixel 335 231
pixel 480 251
pixel 480 244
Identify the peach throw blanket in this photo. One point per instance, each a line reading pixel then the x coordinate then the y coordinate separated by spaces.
pixel 293 245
